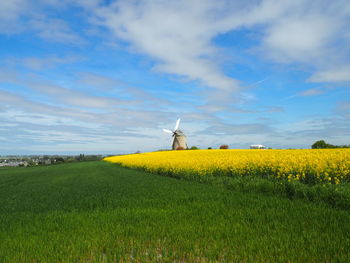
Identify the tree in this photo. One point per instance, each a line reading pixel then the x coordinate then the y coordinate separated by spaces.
pixel 321 144
pixel 194 148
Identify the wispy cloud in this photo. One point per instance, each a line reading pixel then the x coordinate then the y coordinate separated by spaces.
pixel 10 11
pixel 47 62
pixel 311 92
pixel 343 109
pixel 237 129
pixel 333 74
pixel 275 109
pixel 177 34
pixel 55 30
pixel 17 16
pixel 173 57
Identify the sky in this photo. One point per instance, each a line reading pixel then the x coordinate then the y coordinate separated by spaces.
pixel 89 76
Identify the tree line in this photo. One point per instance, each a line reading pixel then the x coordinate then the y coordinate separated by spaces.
pixel 321 144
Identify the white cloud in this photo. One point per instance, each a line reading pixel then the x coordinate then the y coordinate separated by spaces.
pixel 42 118
pixel 344 106
pixel 336 74
pixel 299 38
pixel 99 81
pixel 343 109
pixel 177 34
pixel 17 16
pixel 10 10
pixel 55 30
pixel 57 94
pixel 311 34
pixel 275 109
pixel 43 126
pixel 311 92
pixel 36 63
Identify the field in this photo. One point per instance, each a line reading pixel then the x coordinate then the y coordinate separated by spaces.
pixel 328 166
pixel 101 212
pixel 315 175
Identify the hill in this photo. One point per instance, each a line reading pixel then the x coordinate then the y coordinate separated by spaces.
pixel 101 212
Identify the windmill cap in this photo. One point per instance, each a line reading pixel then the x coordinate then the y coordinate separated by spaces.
pixel 179 132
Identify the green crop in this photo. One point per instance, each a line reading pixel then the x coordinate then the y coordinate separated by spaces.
pixel 101 212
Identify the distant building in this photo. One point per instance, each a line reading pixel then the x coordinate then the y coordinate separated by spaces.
pixel 257 146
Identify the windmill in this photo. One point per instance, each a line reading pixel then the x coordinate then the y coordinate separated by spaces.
pixel 179 138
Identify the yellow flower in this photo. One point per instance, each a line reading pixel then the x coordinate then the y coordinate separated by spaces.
pixel 318 166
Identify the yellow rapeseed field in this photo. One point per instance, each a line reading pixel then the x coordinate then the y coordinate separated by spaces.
pixel 326 166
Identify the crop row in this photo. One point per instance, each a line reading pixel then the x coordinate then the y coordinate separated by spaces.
pixel 328 166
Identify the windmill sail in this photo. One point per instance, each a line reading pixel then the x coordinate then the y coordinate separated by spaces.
pixel 167 131
pixel 177 124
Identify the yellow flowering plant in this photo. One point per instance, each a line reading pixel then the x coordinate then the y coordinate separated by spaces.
pixel 314 166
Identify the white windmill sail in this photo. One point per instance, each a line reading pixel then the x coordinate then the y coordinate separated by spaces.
pixel 177 124
pixel 167 131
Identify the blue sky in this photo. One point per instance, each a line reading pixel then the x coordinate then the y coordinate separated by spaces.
pixel 106 76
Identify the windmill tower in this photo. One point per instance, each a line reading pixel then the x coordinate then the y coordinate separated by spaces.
pixel 179 138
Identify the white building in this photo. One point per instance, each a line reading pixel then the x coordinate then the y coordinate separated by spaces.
pixel 257 146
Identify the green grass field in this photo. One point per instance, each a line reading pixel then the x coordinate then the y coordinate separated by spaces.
pixel 100 212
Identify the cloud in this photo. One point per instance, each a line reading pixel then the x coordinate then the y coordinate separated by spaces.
pixel 48 62
pixel 10 10
pixel 343 106
pixel 336 74
pixel 17 102
pixel 123 90
pixel 18 16
pixel 88 109
pixel 220 128
pixel 40 63
pixel 83 108
pixel 311 92
pixel 310 33
pixel 62 95
pixel 275 109
pixel 96 105
pixel 299 38
pixel 323 128
pixel 100 82
pixel 55 30
pixel 343 109
pixel 44 126
pixel 97 92
pixel 177 34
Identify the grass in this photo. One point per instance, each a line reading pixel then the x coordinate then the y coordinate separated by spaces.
pixel 336 196
pixel 100 212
